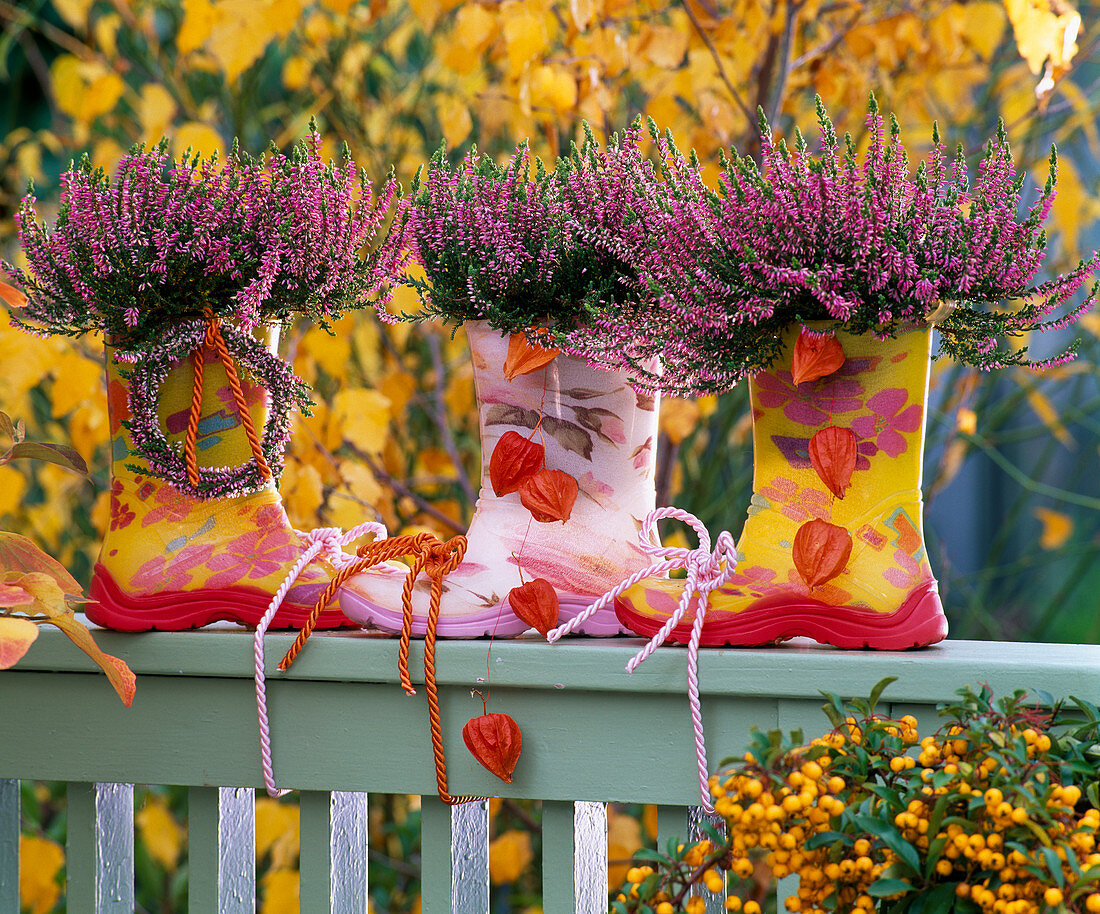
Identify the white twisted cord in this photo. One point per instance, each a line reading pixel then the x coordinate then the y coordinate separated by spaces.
pixel 326 541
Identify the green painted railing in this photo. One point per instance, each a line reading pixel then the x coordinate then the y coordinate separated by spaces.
pixel 343 727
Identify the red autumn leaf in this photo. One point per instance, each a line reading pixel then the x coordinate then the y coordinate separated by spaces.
pixel 514 459
pixel 815 357
pixel 549 495
pixel 821 550
pixel 524 357
pixel 833 457
pixel 536 603
pixel 495 741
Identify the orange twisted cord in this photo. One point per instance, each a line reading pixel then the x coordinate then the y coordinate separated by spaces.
pixel 370 554
pixel 439 560
pixel 436 559
pixel 214 336
pixel 189 438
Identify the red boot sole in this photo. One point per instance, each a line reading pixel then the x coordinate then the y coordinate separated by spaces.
pixel 919 622
pixel 110 607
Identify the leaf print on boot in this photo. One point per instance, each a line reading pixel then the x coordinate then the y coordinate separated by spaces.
pixel 834 555
pixel 172 561
pixel 594 483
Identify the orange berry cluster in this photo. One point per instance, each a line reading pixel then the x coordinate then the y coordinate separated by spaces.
pixel 996 813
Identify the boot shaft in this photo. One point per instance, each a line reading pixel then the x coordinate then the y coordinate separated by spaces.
pixel 593 425
pixel 879 393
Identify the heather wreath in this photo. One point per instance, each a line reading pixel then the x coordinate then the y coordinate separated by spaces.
pixel 871 247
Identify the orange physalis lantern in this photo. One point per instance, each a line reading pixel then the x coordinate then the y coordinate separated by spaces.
pixel 821 550
pixel 524 357
pixel 536 603
pixel 549 495
pixel 833 457
pixel 495 741
pixel 514 459
pixel 815 357
pixel 11 296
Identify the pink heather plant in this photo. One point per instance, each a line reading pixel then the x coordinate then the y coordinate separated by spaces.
pixel 253 240
pixel 500 244
pixel 871 247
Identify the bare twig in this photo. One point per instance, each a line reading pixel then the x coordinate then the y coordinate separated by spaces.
pixel 522 814
pixel 778 88
pixel 405 492
pixel 730 87
pixel 439 416
pixel 58 36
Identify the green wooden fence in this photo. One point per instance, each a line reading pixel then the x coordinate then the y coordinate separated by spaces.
pixel 343 728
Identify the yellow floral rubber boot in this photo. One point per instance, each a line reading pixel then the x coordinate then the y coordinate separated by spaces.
pixel 567 476
pixel 833 548
pixel 172 560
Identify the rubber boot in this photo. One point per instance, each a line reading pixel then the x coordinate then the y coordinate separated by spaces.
pixel 171 561
pixel 797 580
pixel 593 427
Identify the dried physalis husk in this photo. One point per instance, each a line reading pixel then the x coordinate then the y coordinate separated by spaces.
pixel 536 603
pixel 514 459
pixel 833 457
pixel 495 741
pixel 815 357
pixel 821 551
pixel 549 495
pixel 524 357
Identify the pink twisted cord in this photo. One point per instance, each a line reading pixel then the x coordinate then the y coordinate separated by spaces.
pixel 327 542
pixel 706 571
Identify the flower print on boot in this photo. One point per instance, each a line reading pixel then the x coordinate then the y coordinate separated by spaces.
pixel 562 439
pixel 833 547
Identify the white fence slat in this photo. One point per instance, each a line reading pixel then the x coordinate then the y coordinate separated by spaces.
pixel 9 844
pixel 590 856
pixel 100 853
pixel 333 861
pixel 350 836
pixel 454 851
pixel 222 849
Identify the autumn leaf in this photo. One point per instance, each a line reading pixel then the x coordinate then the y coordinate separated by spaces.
pixel 40 862
pixel 524 357
pixel 536 603
pixel 514 459
pixel 549 495
pixel 120 676
pixel 1057 528
pixel 495 741
pixel 833 457
pixel 820 551
pixel 16 637
pixel 19 555
pixel 509 855
pixel 46 596
pixel 11 296
pixel 160 832
pixel 815 357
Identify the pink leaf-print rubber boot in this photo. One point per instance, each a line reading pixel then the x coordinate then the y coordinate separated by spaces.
pixel 171 561
pixel 883 594
pixel 591 426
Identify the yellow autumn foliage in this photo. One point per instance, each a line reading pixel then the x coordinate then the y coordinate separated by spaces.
pixel 40 862
pixel 160 832
pixel 509 855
